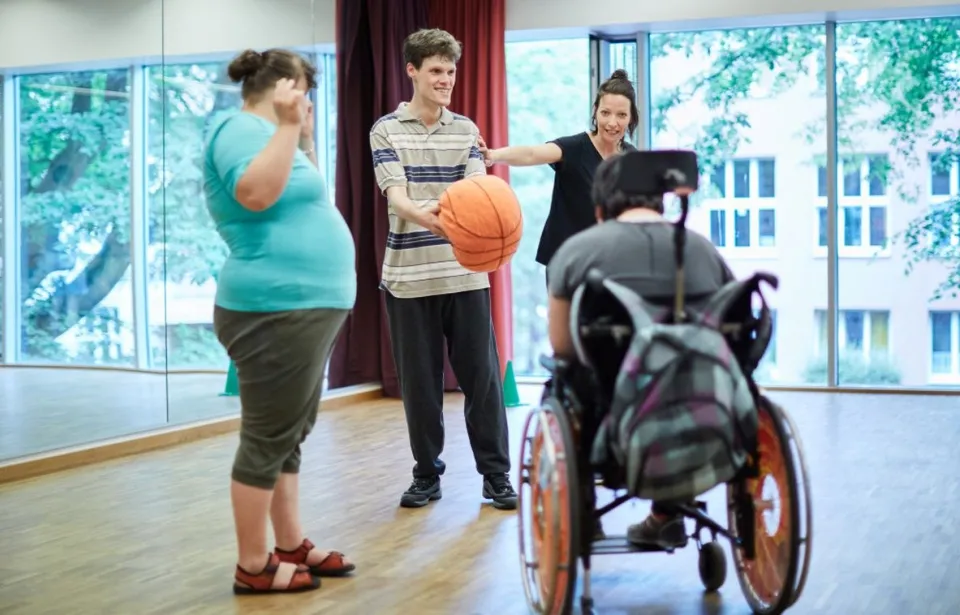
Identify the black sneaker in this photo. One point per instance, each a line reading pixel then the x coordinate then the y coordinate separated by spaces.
pixel 497 487
pixel 422 491
pixel 668 534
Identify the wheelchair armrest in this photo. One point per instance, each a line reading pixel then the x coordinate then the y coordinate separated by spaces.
pixel 555 365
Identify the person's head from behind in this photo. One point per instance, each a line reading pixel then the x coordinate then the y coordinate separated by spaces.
pixel 431 57
pixel 615 110
pixel 258 72
pixel 611 201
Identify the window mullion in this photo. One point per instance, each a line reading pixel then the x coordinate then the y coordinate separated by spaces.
pixel 139 216
pixel 10 274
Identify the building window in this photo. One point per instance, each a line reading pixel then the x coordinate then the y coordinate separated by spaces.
pixel 741 204
pixel 944 346
pixel 944 188
pixel 943 175
pixel 859 332
pixel 862 206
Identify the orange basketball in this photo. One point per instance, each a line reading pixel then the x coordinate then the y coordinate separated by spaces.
pixel 481 216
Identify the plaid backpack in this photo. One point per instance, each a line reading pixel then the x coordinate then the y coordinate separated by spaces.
pixel 682 418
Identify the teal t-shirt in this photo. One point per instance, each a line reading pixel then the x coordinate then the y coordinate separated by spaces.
pixel 297 254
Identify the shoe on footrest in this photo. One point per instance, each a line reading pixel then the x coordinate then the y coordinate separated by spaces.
pixel 668 534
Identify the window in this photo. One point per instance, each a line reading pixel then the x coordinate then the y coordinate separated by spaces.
pixel 863 347
pixel 891 132
pixel 862 205
pixel 862 332
pixel 620 54
pixel 767 370
pixel 548 96
pixel 943 175
pixel 743 215
pixel 750 203
pixel 943 222
pixel 76 295
pixel 183 102
pixel 326 99
pixel 944 347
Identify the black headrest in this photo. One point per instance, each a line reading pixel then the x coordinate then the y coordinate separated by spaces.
pixel 658 172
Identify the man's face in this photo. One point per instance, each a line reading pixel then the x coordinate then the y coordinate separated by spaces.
pixel 435 79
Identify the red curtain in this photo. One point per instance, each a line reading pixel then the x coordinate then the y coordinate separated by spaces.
pixel 481 95
pixel 371 82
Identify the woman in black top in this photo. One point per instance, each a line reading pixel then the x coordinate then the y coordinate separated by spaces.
pixel 575 159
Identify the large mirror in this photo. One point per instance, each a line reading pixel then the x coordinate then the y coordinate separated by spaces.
pixel 109 258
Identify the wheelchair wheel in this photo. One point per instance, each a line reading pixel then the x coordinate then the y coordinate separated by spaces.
pixel 773 579
pixel 713 566
pixel 806 516
pixel 550 511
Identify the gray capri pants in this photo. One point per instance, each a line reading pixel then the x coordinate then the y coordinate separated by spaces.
pixel 280 359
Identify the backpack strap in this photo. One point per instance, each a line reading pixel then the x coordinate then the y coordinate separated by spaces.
pixel 739 293
pixel 638 309
pixel 715 312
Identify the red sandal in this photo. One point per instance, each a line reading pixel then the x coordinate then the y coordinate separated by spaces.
pixel 333 565
pixel 269 581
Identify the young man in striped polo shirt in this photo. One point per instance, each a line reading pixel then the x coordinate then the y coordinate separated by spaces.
pixel 419 150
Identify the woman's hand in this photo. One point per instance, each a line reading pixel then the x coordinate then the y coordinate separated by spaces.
pixel 308 125
pixel 290 104
pixel 487 154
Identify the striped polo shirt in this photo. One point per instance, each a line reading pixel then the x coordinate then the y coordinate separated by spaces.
pixel 426 160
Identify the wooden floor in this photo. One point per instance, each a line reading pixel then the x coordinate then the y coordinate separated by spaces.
pixel 42 409
pixel 153 534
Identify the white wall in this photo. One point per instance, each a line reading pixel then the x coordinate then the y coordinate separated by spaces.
pixel 45 34
pixel 633 15
pixel 50 33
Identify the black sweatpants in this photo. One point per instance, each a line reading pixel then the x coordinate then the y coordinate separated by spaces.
pixel 417 330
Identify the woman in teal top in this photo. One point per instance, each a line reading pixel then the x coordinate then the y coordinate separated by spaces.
pixel 282 297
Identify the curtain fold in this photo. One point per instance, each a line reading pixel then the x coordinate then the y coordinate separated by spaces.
pixel 481 95
pixel 371 82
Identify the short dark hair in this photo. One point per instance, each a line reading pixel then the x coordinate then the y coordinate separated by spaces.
pixel 258 71
pixel 618 84
pixel 426 43
pixel 613 201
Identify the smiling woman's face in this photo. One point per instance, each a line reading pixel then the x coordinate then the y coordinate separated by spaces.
pixel 613 117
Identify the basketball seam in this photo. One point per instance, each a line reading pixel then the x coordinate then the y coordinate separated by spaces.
pixel 499 219
pixel 476 235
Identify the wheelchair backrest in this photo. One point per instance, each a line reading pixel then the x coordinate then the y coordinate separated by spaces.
pixel 605 315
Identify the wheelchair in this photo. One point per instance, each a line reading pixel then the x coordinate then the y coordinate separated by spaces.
pixel 558 515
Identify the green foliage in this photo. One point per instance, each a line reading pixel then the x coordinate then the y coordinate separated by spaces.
pixel 855 369
pixel 894 78
pixel 75 209
pixel 75 220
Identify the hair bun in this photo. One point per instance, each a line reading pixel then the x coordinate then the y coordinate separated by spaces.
pixel 245 65
pixel 620 74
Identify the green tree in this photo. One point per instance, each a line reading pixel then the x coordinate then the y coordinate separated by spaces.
pixel 909 69
pixel 75 197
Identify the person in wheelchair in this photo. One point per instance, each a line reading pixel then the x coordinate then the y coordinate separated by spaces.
pixel 634 243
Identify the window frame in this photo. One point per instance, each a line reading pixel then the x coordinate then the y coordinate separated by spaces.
pixel 953 194
pixel 820 324
pixel 730 205
pixel 953 376
pixel 865 202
